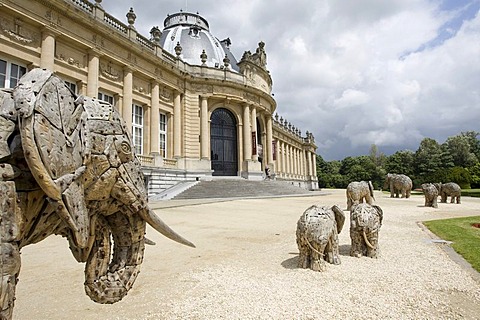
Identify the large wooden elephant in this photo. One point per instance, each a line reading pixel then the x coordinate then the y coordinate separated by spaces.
pixel 399 183
pixel 317 236
pixel 450 189
pixel 67 167
pixel 365 223
pixel 358 192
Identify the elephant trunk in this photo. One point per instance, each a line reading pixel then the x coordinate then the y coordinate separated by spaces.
pixel 108 280
pixel 366 240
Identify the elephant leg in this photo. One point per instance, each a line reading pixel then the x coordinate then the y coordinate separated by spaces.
pixel 317 262
pixel 408 193
pixel 10 228
pixel 349 204
pixel 458 200
pixel 404 194
pixel 331 250
pixel 444 198
pixel 304 258
pixel 452 199
pixel 373 239
pixel 356 249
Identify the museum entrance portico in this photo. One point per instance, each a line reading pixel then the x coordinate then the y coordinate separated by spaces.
pixel 223 142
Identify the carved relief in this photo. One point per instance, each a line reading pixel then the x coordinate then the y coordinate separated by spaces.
pixel 53 17
pixel 166 94
pixel 70 55
pixel 141 86
pixel 16 30
pixel 204 88
pixel 132 58
pixel 110 71
pixel 251 97
pixel 158 72
pixel 98 40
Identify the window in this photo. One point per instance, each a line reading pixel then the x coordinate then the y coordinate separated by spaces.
pixel 105 97
pixel 10 73
pixel 72 86
pixel 163 135
pixel 137 128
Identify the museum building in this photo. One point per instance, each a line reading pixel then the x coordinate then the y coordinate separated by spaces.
pixel 194 110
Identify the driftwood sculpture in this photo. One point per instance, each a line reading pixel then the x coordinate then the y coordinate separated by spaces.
pixel 67 168
pixel 450 189
pixel 365 222
pixel 430 192
pixel 317 236
pixel 358 192
pixel 398 184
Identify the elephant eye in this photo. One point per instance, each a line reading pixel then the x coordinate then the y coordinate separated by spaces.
pixel 125 147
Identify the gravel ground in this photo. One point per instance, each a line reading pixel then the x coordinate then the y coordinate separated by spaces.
pixel 245 267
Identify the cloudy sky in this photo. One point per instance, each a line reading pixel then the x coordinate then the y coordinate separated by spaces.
pixel 353 72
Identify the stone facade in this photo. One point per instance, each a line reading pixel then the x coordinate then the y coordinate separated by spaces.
pixel 165 101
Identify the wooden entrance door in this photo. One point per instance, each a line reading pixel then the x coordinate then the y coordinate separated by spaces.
pixel 223 142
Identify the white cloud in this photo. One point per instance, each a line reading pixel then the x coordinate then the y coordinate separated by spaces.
pixel 354 72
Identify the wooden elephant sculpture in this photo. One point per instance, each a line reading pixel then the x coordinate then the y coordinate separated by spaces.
pixel 430 192
pixel 317 236
pixel 68 168
pixel 365 223
pixel 450 189
pixel 358 192
pixel 398 183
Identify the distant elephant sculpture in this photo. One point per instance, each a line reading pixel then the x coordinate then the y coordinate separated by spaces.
pixel 67 167
pixel 317 236
pixel 450 189
pixel 357 192
pixel 365 223
pixel 399 183
pixel 430 192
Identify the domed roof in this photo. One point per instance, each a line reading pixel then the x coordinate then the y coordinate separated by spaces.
pixel 192 32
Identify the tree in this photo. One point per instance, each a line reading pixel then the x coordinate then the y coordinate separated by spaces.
pixel 430 160
pixel 460 151
pixel 401 162
pixel 473 141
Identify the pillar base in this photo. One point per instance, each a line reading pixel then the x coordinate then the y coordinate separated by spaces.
pixel 252 170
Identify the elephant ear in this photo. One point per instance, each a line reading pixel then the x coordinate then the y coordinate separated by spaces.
pixel 339 218
pixel 50 124
pixel 380 212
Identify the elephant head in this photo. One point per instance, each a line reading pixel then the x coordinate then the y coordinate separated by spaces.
pixel 78 177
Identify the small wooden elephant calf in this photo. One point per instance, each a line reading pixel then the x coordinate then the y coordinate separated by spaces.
pixel 317 236
pixel 365 222
pixel 431 194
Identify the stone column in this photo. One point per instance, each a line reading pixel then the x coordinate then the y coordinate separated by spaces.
pixel 288 158
pixel 47 55
pixel 284 160
pixel 309 164
pixel 127 97
pixel 314 165
pixel 204 137
pixel 254 129
pixel 92 77
pixel 177 126
pixel 269 143
pixel 247 137
pixel 147 125
pixel 155 119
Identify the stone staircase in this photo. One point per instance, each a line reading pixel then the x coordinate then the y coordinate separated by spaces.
pixel 239 188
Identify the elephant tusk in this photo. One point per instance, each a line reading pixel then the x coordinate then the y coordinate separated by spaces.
pixel 149 242
pixel 155 222
pixel 366 240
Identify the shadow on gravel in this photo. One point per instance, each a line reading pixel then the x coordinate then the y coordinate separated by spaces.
pixel 344 250
pixel 291 263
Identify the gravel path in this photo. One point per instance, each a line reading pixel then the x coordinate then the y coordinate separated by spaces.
pixel 245 267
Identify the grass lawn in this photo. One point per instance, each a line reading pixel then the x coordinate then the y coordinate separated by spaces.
pixel 465 237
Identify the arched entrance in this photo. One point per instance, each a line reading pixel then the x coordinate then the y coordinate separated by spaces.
pixel 223 142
